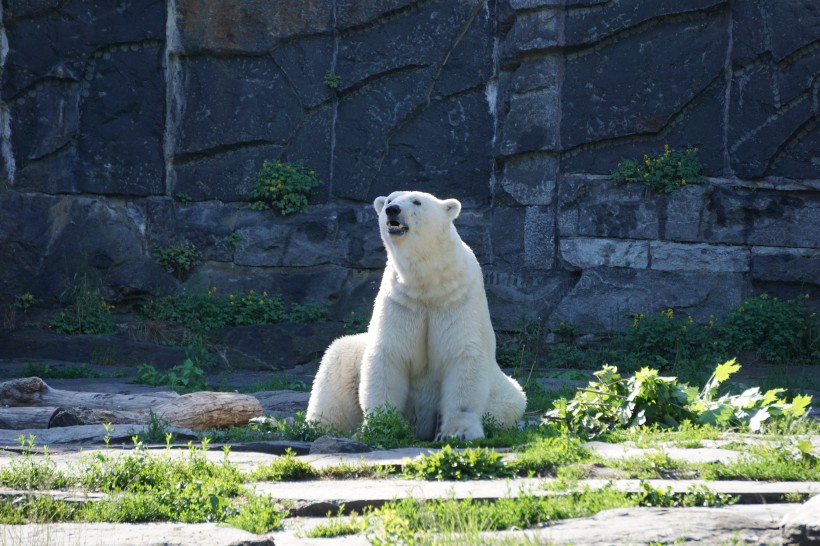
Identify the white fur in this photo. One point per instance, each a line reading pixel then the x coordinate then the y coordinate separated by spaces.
pixel 430 347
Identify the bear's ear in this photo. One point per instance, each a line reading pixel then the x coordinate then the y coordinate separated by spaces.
pixel 452 207
pixel 378 204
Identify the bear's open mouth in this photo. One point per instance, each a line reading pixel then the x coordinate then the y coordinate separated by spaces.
pixel 396 228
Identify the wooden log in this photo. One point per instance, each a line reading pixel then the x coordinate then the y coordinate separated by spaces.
pixel 196 411
pixel 33 391
pixel 204 410
pixel 45 417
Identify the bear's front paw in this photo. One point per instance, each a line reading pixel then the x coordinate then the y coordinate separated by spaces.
pixel 464 426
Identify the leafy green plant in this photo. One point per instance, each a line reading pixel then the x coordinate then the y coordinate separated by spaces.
pixel 696 495
pixel 661 173
pixel 547 453
pixel 338 525
pixel 30 473
pixel 277 382
pixel 183 197
pixel 667 340
pixel 648 398
pixel 285 186
pixel 233 239
pixel 332 80
pixel 451 464
pixel 284 468
pixel 178 259
pixel 310 311
pixel 44 370
pixel 207 311
pixel 782 331
pixel 187 377
pixel 298 428
pixel 88 313
pixel 25 301
pixel 386 428
pixel 355 324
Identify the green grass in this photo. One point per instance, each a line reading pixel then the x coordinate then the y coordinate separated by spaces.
pixel 139 487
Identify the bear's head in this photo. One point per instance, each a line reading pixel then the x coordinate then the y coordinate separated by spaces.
pixel 406 216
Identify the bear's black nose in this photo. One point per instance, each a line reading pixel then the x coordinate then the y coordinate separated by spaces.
pixel 392 210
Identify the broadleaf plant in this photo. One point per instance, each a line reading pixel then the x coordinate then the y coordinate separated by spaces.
pixel 650 399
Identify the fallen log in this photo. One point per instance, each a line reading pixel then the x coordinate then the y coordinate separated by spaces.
pixel 33 391
pixel 46 417
pixel 196 411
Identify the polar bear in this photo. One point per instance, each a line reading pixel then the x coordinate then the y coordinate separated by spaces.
pixel 430 348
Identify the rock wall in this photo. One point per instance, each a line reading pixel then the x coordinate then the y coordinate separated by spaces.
pixel 520 108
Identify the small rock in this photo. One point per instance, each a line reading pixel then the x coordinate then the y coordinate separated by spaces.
pixel 801 526
pixel 332 444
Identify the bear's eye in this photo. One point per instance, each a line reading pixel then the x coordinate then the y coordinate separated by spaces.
pixel 417 202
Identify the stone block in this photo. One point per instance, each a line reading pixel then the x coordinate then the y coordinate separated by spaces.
pixel 45 120
pixel 606 299
pixel 227 176
pixel 586 26
pixel 532 31
pixel 580 253
pixel 75 33
pixel 55 243
pixel 770 132
pixel 235 100
pixel 122 124
pixel 531 124
pixel 793 265
pixel 248 26
pixel 273 241
pixel 530 179
pixel 443 148
pixel 761 218
pixel 539 238
pixel 521 297
pixel 408 39
pixel 666 256
pixel 603 98
pixel 367 118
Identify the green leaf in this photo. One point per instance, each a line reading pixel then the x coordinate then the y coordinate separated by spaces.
pixel 799 406
pixel 723 371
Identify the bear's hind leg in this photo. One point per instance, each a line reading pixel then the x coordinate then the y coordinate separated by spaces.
pixel 334 398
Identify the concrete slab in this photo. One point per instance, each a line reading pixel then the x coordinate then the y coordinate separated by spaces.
pixel 129 534
pixel 317 498
pixel 728 525
pixel 693 455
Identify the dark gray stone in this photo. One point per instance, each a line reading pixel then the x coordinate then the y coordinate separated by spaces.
pixel 236 101
pixel 529 179
pixel 604 99
pixel 118 349
pixel 75 31
pixel 227 175
pixel 762 218
pixel 275 346
pixel 443 149
pixel 56 243
pixel 44 121
pixel 608 19
pixel 778 264
pixel 366 119
pixel 332 444
pixel 415 38
pixel 254 26
pixel 606 299
pixel 122 120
